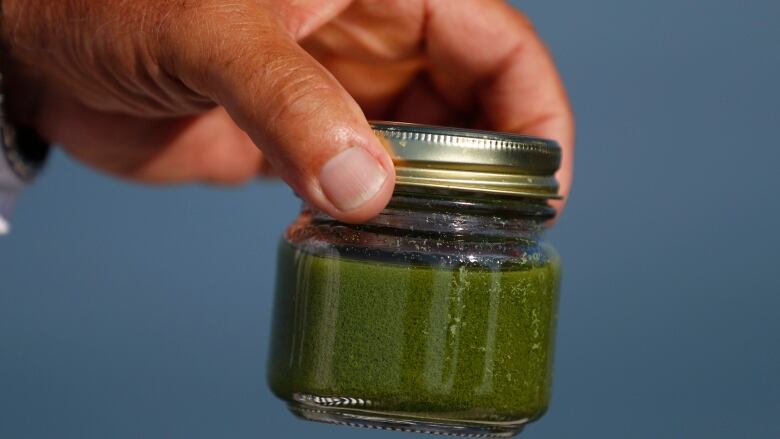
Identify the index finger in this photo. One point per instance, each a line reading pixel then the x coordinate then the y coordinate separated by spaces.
pixel 488 51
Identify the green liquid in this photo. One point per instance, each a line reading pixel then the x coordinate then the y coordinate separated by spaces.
pixel 463 342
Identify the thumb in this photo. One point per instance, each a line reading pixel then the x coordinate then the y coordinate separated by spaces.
pixel 310 129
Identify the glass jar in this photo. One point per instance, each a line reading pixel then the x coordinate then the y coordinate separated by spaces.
pixel 438 315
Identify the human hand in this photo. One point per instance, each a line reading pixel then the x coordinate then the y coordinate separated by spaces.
pixel 223 91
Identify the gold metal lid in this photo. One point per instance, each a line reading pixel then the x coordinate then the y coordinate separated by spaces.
pixel 471 160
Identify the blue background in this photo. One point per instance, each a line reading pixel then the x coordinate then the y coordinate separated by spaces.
pixel 129 311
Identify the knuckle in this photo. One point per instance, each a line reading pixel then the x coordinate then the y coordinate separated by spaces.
pixel 203 39
pixel 211 24
pixel 294 88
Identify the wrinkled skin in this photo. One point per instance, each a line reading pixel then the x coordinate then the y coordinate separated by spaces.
pixel 225 90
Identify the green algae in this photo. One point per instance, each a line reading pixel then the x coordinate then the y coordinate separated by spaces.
pixel 446 340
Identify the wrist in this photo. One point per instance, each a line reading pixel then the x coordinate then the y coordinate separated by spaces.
pixel 21 87
pixel 23 150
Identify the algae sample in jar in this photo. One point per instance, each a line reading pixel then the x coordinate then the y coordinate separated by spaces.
pixel 438 315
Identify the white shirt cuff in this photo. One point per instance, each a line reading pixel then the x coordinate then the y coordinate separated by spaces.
pixel 6 208
pixel 10 185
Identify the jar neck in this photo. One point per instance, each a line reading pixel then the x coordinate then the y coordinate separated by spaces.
pixel 462 216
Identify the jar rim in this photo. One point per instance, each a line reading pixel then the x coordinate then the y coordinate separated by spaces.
pixel 467 160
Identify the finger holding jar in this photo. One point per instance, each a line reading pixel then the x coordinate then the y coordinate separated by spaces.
pixel 207 90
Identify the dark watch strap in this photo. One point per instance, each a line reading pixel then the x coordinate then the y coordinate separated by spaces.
pixel 24 150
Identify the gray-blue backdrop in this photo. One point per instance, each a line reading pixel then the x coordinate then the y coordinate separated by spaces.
pixel 130 311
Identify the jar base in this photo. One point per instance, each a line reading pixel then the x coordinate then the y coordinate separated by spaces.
pixel 403 422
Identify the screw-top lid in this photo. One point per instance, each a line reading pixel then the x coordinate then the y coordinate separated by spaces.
pixel 471 160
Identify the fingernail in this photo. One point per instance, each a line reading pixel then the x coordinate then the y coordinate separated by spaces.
pixel 351 178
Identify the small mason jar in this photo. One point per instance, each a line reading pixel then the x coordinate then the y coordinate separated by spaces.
pixel 438 315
